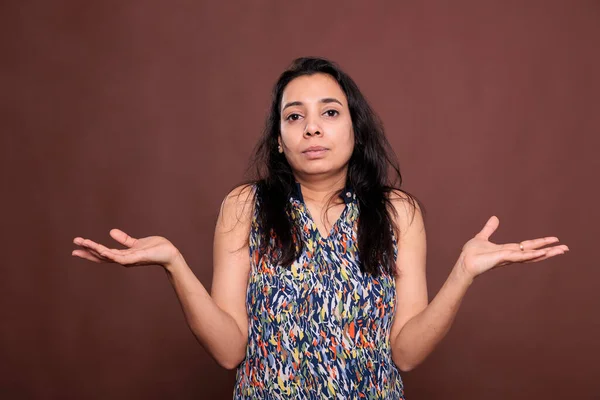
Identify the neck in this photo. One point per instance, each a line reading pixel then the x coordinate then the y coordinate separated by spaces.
pixel 320 189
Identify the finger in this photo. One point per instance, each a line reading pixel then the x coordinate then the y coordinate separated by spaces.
pixel 122 237
pixel 95 249
pixel 124 257
pixel 509 256
pixel 103 250
pixel 101 256
pixel 535 243
pixel 549 253
pixel 86 255
pixel 91 245
pixel 490 227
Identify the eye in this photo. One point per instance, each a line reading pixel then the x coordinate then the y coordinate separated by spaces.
pixel 332 113
pixel 293 117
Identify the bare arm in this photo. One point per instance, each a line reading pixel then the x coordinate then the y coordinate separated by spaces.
pixel 418 326
pixel 425 325
pixel 219 319
pixel 408 348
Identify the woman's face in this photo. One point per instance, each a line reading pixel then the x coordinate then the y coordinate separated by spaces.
pixel 316 128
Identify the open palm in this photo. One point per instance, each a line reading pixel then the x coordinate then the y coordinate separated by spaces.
pixel 480 255
pixel 151 250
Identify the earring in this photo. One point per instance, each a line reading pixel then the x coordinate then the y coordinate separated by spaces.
pixel 279 149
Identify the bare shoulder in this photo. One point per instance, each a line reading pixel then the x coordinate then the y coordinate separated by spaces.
pixel 408 212
pixel 411 280
pixel 231 262
pixel 237 207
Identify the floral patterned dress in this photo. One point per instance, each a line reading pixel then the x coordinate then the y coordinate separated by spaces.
pixel 319 328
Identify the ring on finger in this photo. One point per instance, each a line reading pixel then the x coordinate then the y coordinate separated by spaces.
pixel 521 246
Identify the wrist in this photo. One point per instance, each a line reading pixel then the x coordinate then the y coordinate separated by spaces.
pixel 460 273
pixel 175 263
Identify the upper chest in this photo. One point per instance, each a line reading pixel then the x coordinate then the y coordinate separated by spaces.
pixel 323 217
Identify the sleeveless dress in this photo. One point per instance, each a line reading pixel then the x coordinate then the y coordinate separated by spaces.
pixel 319 328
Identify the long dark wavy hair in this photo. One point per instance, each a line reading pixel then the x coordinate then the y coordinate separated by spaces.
pixel 373 173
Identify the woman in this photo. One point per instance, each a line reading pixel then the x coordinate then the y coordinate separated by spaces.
pixel 308 300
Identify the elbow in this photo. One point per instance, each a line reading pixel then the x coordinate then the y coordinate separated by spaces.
pixel 404 364
pixel 405 367
pixel 231 360
pixel 229 364
pixel 227 355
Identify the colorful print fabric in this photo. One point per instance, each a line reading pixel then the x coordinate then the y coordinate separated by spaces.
pixel 319 328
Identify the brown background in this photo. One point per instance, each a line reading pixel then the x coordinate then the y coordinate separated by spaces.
pixel 142 115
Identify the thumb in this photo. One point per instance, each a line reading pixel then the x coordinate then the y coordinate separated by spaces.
pixel 122 237
pixel 490 227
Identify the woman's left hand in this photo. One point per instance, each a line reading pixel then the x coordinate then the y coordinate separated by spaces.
pixel 480 255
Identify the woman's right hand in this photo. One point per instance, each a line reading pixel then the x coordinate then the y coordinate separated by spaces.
pixel 151 250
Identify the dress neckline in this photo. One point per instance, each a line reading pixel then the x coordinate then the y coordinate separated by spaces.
pixel 347 194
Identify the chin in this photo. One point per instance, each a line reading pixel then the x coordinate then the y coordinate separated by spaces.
pixel 320 169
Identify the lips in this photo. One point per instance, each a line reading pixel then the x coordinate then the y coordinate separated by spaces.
pixel 315 152
pixel 314 149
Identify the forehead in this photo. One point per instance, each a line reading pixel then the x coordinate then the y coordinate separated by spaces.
pixel 312 88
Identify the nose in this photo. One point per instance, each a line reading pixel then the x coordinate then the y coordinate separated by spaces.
pixel 312 128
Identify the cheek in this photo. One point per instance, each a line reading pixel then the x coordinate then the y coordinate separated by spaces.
pixel 288 140
pixel 350 138
pixel 290 134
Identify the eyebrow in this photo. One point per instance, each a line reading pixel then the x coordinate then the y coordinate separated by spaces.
pixel 324 101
